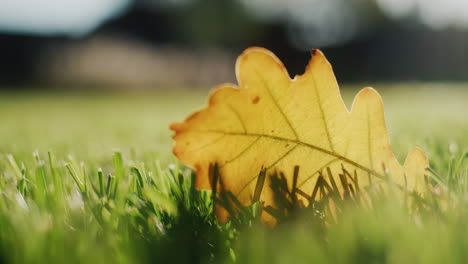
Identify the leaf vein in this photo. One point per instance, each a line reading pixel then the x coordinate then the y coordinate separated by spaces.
pixel 242 152
pixel 319 102
pixel 241 121
pixel 278 106
pixel 304 144
pixel 208 144
pixel 369 141
pixel 269 167
pixel 317 171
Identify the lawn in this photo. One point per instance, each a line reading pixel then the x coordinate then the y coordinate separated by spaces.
pixel 90 178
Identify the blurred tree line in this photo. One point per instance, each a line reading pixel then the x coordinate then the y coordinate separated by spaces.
pixel 364 46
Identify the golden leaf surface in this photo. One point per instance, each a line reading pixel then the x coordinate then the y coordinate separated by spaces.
pixel 270 121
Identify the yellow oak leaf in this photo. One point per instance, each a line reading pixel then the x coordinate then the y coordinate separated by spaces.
pixel 270 121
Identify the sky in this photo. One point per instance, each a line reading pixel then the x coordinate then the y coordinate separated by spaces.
pixel 330 22
pixel 327 20
pixel 437 14
pixel 51 17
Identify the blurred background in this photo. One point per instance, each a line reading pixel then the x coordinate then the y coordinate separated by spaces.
pixel 83 79
pixel 169 44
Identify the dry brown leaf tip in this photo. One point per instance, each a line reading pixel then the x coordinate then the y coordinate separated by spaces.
pixel 272 121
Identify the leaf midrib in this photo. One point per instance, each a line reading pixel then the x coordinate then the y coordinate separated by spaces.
pixel 304 144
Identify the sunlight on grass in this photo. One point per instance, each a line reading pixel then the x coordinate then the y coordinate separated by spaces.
pixel 91 178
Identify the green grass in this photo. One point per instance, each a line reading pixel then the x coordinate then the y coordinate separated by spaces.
pixel 91 178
